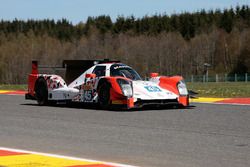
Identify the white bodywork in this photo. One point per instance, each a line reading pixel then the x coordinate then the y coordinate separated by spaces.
pixel 63 93
pixel 58 89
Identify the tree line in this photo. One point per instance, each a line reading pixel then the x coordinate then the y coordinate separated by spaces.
pixel 176 44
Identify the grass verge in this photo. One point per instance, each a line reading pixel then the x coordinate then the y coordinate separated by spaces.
pixel 221 89
pixel 13 87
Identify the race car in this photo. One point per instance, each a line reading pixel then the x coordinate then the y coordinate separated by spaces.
pixel 106 83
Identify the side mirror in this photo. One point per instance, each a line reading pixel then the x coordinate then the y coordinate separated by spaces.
pixel 90 76
pixel 152 75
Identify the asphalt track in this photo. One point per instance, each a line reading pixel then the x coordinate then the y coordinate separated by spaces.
pixel 204 136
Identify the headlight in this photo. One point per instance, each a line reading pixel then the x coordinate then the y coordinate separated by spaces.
pixel 182 88
pixel 126 87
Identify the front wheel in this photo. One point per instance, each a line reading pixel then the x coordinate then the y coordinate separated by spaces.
pixel 41 91
pixel 104 95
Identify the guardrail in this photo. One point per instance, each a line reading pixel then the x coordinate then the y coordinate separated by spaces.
pixel 219 78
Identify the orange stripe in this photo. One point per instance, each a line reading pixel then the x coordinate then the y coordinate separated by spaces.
pixel 92 165
pixel 235 101
pixel 8 153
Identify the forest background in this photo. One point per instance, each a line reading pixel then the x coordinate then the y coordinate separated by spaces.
pixel 176 44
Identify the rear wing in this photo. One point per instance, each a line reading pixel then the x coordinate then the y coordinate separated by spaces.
pixel 70 69
pixel 34 67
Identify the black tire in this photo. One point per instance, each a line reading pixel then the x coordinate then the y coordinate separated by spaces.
pixel 41 91
pixel 104 95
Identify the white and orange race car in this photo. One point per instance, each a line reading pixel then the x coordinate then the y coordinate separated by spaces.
pixel 106 83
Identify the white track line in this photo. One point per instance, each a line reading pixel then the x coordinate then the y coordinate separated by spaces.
pixel 65 157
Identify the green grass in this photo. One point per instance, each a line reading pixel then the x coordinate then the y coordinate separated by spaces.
pixel 13 87
pixel 221 89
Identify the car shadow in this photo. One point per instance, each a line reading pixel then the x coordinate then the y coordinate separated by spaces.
pixel 96 107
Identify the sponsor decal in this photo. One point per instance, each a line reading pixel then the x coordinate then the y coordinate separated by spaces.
pixel 152 89
pixel 86 87
pixel 118 67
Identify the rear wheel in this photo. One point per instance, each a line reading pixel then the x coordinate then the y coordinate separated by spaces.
pixel 104 95
pixel 41 91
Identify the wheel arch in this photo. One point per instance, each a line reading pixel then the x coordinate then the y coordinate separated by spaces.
pixel 170 83
pixel 102 81
pixel 115 90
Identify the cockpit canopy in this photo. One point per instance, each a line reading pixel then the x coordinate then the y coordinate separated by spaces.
pixel 124 71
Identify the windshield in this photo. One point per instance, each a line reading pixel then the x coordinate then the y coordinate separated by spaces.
pixel 124 71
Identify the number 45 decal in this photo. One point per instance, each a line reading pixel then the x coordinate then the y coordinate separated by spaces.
pixel 87 94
